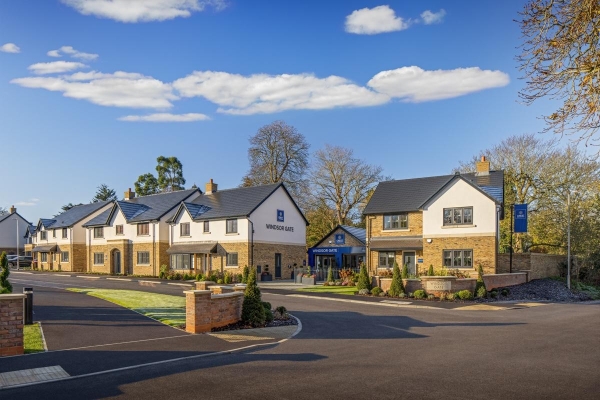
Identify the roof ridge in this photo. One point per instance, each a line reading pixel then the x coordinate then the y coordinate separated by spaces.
pixel 241 188
pixel 161 193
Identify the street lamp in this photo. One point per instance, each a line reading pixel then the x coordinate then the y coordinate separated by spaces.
pixel 18 260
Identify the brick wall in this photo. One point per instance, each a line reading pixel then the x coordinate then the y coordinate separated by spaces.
pixel 415 226
pixel 264 254
pixel 11 324
pixel 484 252
pixel 204 310
pixel 504 280
pixel 410 285
pixel 539 265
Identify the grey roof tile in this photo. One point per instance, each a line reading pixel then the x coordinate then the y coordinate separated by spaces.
pixel 410 194
pixel 72 215
pixel 359 233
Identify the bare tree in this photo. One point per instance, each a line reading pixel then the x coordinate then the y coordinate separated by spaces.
pixel 561 60
pixel 342 181
pixel 278 153
pixel 3 210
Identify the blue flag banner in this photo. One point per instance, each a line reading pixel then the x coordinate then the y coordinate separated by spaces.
pixel 520 218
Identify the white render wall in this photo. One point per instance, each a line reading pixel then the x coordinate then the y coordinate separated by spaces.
pixel 266 213
pixel 218 229
pixel 75 234
pixel 8 232
pixel 460 194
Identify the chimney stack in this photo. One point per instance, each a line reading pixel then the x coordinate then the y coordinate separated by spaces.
pixel 129 194
pixel 13 210
pixel 211 187
pixel 483 167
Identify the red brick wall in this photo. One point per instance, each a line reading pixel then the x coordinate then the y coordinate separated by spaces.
pixel 204 311
pixel 11 324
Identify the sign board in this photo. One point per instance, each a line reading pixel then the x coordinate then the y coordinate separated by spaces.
pixel 438 286
pixel 340 238
pixel 520 218
pixel 280 216
pixel 420 260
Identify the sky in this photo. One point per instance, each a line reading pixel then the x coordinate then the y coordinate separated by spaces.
pixel 93 91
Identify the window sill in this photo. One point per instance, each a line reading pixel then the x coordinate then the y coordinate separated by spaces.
pixel 396 230
pixel 142 265
pixel 185 236
pixel 232 266
pixel 143 235
pixel 99 237
pixel 206 233
pixel 458 226
pixel 459 268
pixel 232 234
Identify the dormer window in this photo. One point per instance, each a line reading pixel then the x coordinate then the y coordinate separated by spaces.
pixel 458 216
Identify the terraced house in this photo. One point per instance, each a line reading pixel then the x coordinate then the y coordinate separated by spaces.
pixel 60 242
pixel 132 235
pixel 447 221
pixel 228 229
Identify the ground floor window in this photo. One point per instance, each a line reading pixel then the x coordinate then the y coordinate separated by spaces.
pixel 458 258
pixel 143 257
pixel 44 257
pixel 387 259
pixel 232 259
pixel 28 253
pixel 64 256
pixel 98 258
pixel 181 261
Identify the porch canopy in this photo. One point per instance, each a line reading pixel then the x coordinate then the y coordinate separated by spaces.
pixel 45 249
pixel 192 248
pixel 396 243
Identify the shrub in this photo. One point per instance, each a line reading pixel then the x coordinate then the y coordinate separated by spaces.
pixel 253 311
pixel 396 287
pixel 430 271
pixel 164 270
pixel 465 295
pixel 405 271
pixel 238 278
pixel 5 286
pixel 268 313
pixel 419 294
pixel 220 281
pixel 410 294
pixel 493 294
pixel 382 294
pixel 200 277
pixel 386 273
pixel 330 275
pixel 281 310
pixel 325 283
pixel 431 296
pixel 363 291
pixel 376 291
pixel 505 292
pixel 481 292
pixel 266 305
pixel 228 278
pixel 245 273
pixel 402 295
pixel 364 281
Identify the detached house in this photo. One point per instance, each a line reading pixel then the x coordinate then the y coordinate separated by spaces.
pixel 12 230
pixel 447 221
pixel 132 236
pixel 229 229
pixel 60 242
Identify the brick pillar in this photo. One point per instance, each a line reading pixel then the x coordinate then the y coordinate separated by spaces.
pixel 197 311
pixel 11 324
pixel 203 285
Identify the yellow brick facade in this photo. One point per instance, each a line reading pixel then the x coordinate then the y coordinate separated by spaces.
pixel 415 226
pixel 484 252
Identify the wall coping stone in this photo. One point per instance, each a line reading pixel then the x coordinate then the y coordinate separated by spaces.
pixel 197 292
pixel 12 296
pixel 223 295
pixel 425 278
pixel 507 274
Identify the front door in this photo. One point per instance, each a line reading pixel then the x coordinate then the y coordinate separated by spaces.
pixel 408 258
pixel 117 262
pixel 277 265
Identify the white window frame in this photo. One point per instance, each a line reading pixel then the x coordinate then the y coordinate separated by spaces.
pixel 145 224
pixel 63 258
pixel 387 258
pixel 184 232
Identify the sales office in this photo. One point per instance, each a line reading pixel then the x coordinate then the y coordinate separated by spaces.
pixel 343 247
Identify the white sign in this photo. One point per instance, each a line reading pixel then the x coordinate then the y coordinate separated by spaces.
pixel 438 286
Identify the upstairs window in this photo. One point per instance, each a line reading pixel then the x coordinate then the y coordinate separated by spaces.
pixel 458 216
pixel 143 229
pixel 397 221
pixel 231 226
pixel 206 227
pixel 98 232
pixel 64 233
pixel 43 235
pixel 53 233
pixel 184 229
pixel 118 229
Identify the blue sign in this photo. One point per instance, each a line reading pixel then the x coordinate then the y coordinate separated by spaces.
pixel 419 260
pixel 520 218
pixel 280 216
pixel 340 238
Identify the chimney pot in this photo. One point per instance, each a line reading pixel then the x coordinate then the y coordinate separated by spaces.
pixel 129 194
pixel 482 167
pixel 13 210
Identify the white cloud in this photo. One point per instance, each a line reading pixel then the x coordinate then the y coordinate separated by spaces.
pixel 165 117
pixel 370 21
pixel 73 53
pixel 413 84
pixel 28 203
pixel 120 89
pixel 55 67
pixel 10 48
pixel 262 94
pixel 142 10
pixel 429 17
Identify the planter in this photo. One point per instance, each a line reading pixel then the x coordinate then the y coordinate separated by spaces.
pixel 308 281
pixel 266 278
pixel 298 278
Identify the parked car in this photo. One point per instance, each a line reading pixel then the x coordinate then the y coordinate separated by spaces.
pixel 24 261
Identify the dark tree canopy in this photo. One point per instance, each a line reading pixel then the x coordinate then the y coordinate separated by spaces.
pixel 104 193
pixel 146 185
pixel 170 174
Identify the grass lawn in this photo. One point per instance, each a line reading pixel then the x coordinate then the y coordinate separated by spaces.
pixel 32 338
pixel 331 289
pixel 169 310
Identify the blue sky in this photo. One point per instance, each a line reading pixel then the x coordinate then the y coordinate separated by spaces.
pixel 345 84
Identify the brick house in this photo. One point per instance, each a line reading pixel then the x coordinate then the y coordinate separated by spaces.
pixel 447 221
pixel 228 229
pixel 60 242
pixel 132 236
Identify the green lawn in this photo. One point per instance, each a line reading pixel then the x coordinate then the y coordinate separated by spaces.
pixel 32 338
pixel 169 310
pixel 331 289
